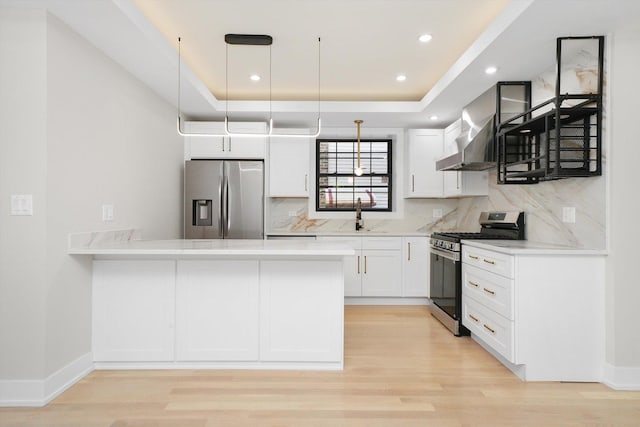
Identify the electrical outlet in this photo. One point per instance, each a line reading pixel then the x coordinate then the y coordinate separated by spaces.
pixel 293 213
pixel 437 213
pixel 107 213
pixel 569 214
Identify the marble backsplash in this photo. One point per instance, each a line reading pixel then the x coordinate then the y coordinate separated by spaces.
pixel 418 217
pixel 542 204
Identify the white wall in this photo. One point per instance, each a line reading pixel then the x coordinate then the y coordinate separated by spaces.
pixel 88 133
pixel 623 285
pixel 22 171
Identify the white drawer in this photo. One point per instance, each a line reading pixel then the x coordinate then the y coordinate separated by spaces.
pixel 490 327
pixel 488 260
pixel 353 242
pixel 382 243
pixel 489 289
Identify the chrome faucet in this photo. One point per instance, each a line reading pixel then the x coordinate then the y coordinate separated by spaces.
pixel 359 222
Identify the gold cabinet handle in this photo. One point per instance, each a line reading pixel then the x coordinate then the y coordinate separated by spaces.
pixel 473 257
pixel 358 264
pixel 475 319
pixel 365 264
pixel 408 251
pixel 474 284
pixel 488 261
pixel 489 291
pixel 488 328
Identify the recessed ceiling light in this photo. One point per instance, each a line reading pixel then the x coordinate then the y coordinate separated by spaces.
pixel 491 70
pixel 401 77
pixel 433 117
pixel 425 38
pixel 255 77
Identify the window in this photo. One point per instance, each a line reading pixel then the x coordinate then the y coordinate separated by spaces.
pixel 338 189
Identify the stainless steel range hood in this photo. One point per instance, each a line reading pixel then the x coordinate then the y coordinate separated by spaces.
pixel 474 148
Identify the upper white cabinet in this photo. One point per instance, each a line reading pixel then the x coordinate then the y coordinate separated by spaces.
pixel 289 160
pixel 423 149
pixel 225 147
pixel 415 267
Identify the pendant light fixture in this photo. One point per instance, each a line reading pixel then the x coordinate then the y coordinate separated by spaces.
pixel 251 40
pixel 358 170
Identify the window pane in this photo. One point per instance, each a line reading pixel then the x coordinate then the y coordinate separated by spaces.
pixel 338 188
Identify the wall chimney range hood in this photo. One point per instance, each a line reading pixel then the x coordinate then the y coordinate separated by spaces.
pixel 475 148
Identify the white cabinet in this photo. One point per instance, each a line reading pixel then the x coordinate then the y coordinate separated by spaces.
pixel 415 266
pixel 540 314
pixel 423 149
pixel 301 311
pixel 217 310
pixel 223 147
pixel 466 183
pixel 289 160
pixel 375 270
pixel 133 310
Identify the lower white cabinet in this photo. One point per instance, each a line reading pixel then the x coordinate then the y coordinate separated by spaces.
pixel 542 314
pixel 301 323
pixel 217 310
pixel 415 267
pixel 133 310
pixel 224 312
pixel 376 268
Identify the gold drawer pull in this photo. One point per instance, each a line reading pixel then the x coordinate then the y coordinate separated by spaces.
pixel 488 261
pixel 489 291
pixel 473 284
pixel 473 257
pixel 475 319
pixel 488 328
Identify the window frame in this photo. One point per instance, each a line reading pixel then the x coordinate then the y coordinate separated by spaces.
pixel 389 174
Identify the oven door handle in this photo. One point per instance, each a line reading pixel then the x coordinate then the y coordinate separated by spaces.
pixel 454 256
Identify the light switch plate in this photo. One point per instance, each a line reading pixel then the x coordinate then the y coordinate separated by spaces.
pixel 437 213
pixel 569 214
pixel 107 213
pixel 21 204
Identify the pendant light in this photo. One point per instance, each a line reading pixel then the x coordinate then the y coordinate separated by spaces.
pixel 358 170
pixel 252 40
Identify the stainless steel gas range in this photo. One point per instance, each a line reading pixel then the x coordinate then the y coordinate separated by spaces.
pixel 446 268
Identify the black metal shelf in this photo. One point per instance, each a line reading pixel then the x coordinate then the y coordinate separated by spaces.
pixel 559 138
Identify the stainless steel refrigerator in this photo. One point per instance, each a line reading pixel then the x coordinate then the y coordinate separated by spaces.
pixel 224 199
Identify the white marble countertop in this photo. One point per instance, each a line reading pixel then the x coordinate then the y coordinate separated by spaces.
pixel 232 247
pixel 364 233
pixel 526 247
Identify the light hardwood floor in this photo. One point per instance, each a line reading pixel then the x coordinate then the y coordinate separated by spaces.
pixel 402 368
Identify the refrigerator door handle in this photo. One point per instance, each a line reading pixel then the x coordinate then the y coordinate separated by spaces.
pixel 221 207
pixel 226 214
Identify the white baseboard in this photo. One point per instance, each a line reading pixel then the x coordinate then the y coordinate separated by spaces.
pixel 622 377
pixel 41 392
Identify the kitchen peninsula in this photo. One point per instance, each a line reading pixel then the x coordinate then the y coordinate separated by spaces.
pixel 240 304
